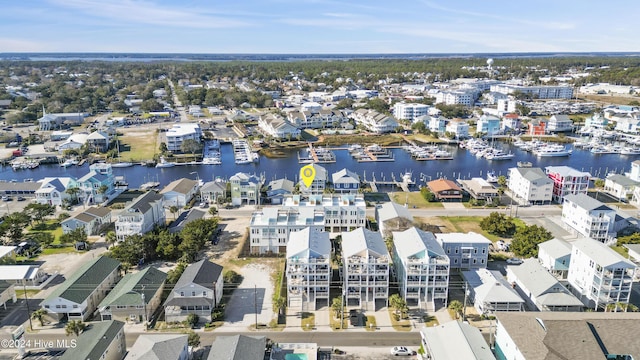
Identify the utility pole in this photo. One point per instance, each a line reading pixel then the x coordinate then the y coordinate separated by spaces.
pixel 26 301
pixel 464 304
pixel 255 302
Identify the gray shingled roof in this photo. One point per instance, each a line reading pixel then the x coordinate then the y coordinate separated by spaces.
pixel 181 186
pixel 143 202
pixel 204 273
pixel 586 202
pixel 93 342
pixel 158 347
pixel 622 180
pixel 238 347
pixel 391 210
pixel 83 282
pixel 534 175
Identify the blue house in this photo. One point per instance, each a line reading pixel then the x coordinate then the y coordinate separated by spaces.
pixel 100 174
pixel 488 124
pixel 345 181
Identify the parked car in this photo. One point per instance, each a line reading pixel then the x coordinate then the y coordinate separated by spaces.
pixel 402 351
pixel 514 261
pixel 20 198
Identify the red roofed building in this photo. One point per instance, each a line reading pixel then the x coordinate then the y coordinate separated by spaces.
pixel 536 127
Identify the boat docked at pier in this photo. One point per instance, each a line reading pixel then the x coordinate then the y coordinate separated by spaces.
pixel 552 150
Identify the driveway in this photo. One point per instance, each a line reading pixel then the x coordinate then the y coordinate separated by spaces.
pixel 254 293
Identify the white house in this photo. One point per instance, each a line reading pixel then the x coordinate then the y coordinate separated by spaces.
pixel 392 217
pixel 490 292
pixel 555 256
pixel 421 267
pixel 541 290
pixel 91 220
pixel 179 192
pixel 374 121
pixel 589 217
pixel 308 269
pixel 53 190
pixel 620 186
pixel 365 269
pixel 634 174
pixel 160 347
pixel 74 142
pixel 181 132
pixel 454 340
pixel 319 182
pixel 559 123
pixel 141 215
pixel 466 251
pixel 277 127
pixel 345 181
pixel 78 297
pixel 459 128
pixel 567 180
pixel 530 185
pixel 270 227
pixel 342 212
pixel 598 275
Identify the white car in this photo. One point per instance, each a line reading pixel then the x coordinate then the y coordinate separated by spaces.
pixel 402 351
pixel 514 261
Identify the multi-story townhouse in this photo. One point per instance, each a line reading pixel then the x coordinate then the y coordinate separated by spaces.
pixel 245 189
pixel 269 228
pixel 620 186
pixel 511 122
pixel 98 141
pixel 374 122
pixel 345 181
pixel 319 182
pixel 437 124
pixel 629 124
pixel 488 124
pixel 555 256
pixel 98 184
pixel 567 180
pixel 531 185
pixel 409 111
pixel 465 251
pixel 141 216
pixel 277 127
pixel 455 97
pixel 536 127
pixel 78 297
pixel 317 120
pixel 559 123
pixel 504 103
pixel 366 269
pixel 536 92
pixel 421 267
pixel 181 132
pixel 341 212
pixel 308 269
pixel 598 275
pixel 589 217
pixel 458 128
pixel 179 192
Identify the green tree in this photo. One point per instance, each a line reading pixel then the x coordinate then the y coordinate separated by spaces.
pixel 74 327
pixel 502 180
pixel 73 192
pixel 398 304
pixel 174 274
pixel 163 148
pixel 74 236
pixel 13 226
pixel 168 245
pixel 498 224
pixel 192 320
pixel 213 211
pixel 279 304
pixel 427 194
pixel 456 307
pixel 194 235
pixel 45 239
pixel 336 306
pixel 39 211
pixel 525 241
pixel 599 183
pixel 110 238
pixel 193 339
pixel 190 146
pixel 39 315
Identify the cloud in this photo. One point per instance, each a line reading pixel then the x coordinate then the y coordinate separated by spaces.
pixel 20 45
pixel 147 12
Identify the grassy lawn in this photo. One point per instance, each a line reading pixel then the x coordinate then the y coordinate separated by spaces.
pixel 62 250
pixel 430 320
pixel 308 321
pixel 138 146
pixel 335 323
pixel 414 200
pixel 621 250
pixel 399 325
pixel 371 323
pixel 424 138
pixel 471 223
pixel 49 226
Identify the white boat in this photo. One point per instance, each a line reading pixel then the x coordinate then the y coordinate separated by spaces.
pixel 552 151
pixel 122 164
pixel 630 151
pixel 499 155
pixel 164 163
pixel 69 162
pixel 491 177
pixel 212 161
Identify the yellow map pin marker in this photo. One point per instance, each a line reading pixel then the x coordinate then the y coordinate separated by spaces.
pixel 307 174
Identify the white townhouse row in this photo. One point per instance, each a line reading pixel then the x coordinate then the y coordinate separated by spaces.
pixel 343 212
pixel 374 121
pixel 410 111
pixel 269 228
pixel 177 134
pixel 536 92
pixel 324 118
pixel 277 127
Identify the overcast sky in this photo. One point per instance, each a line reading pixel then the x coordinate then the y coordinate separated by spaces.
pixel 318 26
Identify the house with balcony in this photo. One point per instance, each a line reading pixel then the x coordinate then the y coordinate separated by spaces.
pixel 445 190
pixel 541 290
pixel 374 121
pixel 530 185
pixel 409 111
pixel 459 128
pixel 489 124
pixel 392 217
pixel 245 189
pixel 511 123
pixel 97 184
pixel 270 227
pixel 465 251
pixel 319 182
pixel 343 212
pixel 77 298
pixel 92 220
pixel 567 180
pixel 555 256
pixel 559 123
pixel 598 275
pixel 365 269
pixel 490 292
pixel 345 181
pixel 177 134
pixel 179 192
pixel 212 191
pixel 52 190
pixel 198 291
pixel 536 127
pixel 135 298
pixel 308 270
pixel 479 189
pixel 321 119
pixel 620 186
pixel 277 127
pixel 141 215
pixel 589 217
pixel 421 267
pixel 98 141
pixel 102 340
pixel 278 189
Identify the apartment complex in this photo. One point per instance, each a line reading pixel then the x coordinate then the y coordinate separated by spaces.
pixel 341 212
pixel 409 111
pixel 270 227
pixel 181 132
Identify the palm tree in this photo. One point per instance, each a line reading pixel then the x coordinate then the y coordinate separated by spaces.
pixel 397 303
pixel 74 327
pixel 39 315
pixel 173 209
pixel 110 238
pixel 456 307
pixel 73 191
pixel 336 306
pixel 213 211
pixel 279 304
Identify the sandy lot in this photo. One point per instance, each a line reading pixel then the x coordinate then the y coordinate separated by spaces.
pixel 253 294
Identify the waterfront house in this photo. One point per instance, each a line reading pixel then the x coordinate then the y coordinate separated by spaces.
pixel 374 121
pixel 179 192
pixel 212 191
pixel 567 180
pixel 392 217
pixel 345 181
pixel 555 256
pixel 541 290
pixel 91 220
pixel 177 134
pixel 445 190
pixel 98 141
pixel 620 186
pixel 245 189
pixel 7 292
pixel 598 275
pixel 567 335
pixel 589 217
pixel 559 123
pixel 365 269
pixel 489 125
pixel 141 215
pixel 319 182
pixel 238 347
pixel 52 191
pixel 308 269
pixel 78 297
pixel 421 267
pixel 511 122
pixel 160 347
pixel 454 340
pixel 465 251
pixel 270 227
pixel 97 184
pixel 277 127
pixel 74 142
pixel 102 340
pixel 342 212
pixel 135 298
pixel 530 185
pixel 634 173
pixel 536 127
pixel 278 189
pixel 479 189
pixel 459 128
pixel 490 292
pixel 198 291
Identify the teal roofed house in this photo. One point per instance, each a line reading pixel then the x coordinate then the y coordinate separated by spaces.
pixel 78 297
